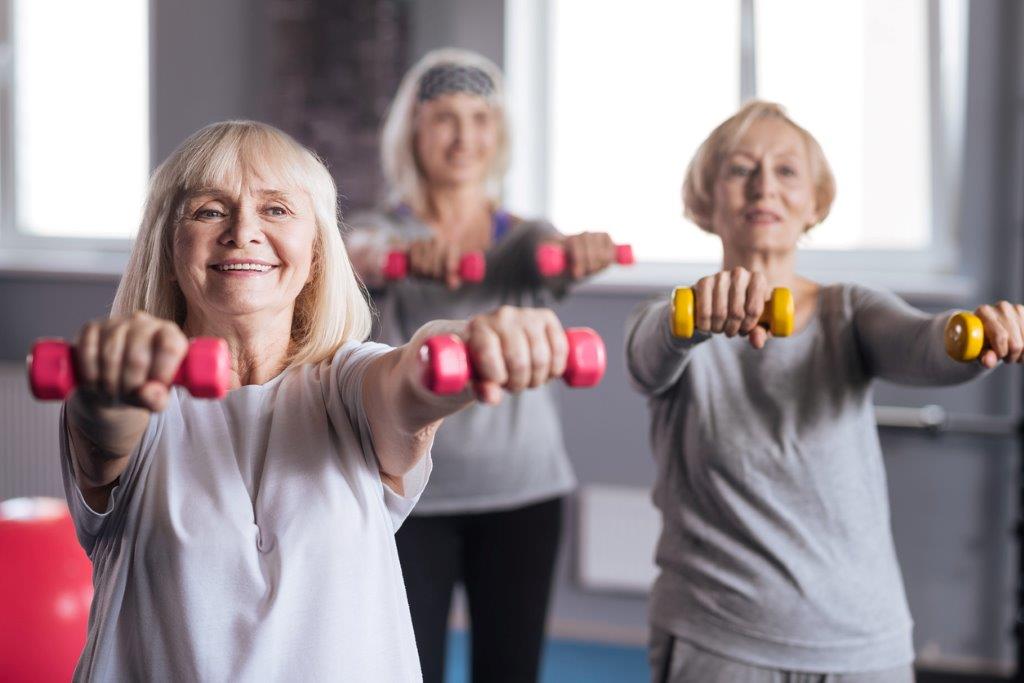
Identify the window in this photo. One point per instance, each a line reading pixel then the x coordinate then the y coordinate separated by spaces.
pixel 610 101
pixel 76 121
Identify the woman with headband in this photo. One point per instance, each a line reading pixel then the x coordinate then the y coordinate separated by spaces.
pixel 776 556
pixel 492 514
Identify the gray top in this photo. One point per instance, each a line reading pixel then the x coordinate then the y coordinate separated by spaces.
pixel 776 548
pixel 251 539
pixel 485 457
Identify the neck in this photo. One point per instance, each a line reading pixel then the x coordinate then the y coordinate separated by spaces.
pixel 457 210
pixel 778 267
pixel 259 344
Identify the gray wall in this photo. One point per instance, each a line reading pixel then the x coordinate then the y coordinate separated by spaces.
pixel 953 496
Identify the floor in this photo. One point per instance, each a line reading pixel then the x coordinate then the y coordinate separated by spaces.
pixel 568 661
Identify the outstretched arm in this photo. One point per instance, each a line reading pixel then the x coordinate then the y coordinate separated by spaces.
pixel 902 344
pixel 510 349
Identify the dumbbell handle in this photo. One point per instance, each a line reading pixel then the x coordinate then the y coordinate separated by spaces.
pixel 472 266
pixel 205 371
pixel 447 364
pixel 778 316
pixel 965 337
pixel 551 258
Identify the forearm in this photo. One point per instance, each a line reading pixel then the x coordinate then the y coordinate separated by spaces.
pixel 403 414
pixel 655 359
pixel 102 438
pixel 902 344
pixel 367 249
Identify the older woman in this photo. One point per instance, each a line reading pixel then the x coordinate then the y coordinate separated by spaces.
pixel 776 557
pixel 491 516
pixel 252 538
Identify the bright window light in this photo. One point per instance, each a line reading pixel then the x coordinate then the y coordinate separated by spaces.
pixel 855 74
pixel 81 126
pixel 634 88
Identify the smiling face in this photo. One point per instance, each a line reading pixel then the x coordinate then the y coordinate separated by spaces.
pixel 764 193
pixel 456 139
pixel 243 249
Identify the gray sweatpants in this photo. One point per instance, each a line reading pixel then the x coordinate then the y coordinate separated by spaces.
pixel 676 661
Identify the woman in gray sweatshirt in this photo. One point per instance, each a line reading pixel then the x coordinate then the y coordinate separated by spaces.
pixel 776 555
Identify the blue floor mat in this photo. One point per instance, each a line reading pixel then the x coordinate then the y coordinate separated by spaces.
pixel 565 661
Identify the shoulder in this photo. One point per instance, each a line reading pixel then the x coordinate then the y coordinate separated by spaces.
pixel 531 229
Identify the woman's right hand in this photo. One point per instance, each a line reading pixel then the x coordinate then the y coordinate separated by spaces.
pixel 124 369
pixel 128 361
pixel 731 302
pixel 436 259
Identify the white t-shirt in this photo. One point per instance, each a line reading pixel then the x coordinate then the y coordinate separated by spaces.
pixel 251 539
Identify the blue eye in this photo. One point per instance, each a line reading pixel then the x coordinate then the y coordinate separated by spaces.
pixel 209 213
pixel 737 170
pixel 277 211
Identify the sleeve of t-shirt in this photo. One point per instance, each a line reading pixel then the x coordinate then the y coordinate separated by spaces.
pixel 91 524
pixel 348 369
pixel 654 357
pixel 902 344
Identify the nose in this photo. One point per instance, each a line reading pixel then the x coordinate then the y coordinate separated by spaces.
pixel 762 183
pixel 243 228
pixel 459 130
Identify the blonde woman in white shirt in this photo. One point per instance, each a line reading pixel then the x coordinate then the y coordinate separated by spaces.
pixel 252 538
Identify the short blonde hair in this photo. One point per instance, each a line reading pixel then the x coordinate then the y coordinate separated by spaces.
pixel 398 148
pixel 330 310
pixel 699 184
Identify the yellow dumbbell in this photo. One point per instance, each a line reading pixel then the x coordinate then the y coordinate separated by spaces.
pixel 777 317
pixel 965 337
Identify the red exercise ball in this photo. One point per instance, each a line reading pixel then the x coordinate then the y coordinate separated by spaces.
pixel 45 591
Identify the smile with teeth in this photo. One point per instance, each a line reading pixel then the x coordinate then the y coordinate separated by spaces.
pixel 258 267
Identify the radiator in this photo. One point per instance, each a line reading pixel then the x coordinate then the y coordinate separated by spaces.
pixel 618 530
pixel 29 459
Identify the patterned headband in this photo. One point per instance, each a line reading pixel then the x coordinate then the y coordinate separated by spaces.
pixel 449 78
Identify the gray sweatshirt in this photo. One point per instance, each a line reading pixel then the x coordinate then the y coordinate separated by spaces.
pixel 485 457
pixel 776 547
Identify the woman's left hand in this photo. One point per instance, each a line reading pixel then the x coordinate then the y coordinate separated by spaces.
pixel 1004 333
pixel 589 253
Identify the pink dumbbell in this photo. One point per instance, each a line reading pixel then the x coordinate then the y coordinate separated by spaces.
pixel 205 372
pixel 551 260
pixel 472 266
pixel 447 363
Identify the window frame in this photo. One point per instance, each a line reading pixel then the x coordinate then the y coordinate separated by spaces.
pixel 22 252
pixel 932 270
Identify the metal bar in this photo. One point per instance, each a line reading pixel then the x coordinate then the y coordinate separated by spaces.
pixel 748 52
pixel 936 419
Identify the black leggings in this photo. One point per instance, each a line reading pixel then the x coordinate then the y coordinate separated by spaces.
pixel 505 560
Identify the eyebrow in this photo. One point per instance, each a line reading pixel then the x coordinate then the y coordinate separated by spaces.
pixel 220 193
pixel 785 153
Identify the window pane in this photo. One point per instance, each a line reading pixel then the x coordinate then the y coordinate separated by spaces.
pixel 81 123
pixel 635 87
pixel 855 74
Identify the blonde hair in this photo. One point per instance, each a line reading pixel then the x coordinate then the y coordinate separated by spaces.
pixel 398 149
pixel 699 184
pixel 330 310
